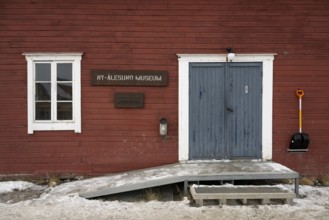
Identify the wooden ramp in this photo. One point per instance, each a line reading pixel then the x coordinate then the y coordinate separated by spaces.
pixel 185 172
pixel 242 193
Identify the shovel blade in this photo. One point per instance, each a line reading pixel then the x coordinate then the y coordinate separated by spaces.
pixel 299 141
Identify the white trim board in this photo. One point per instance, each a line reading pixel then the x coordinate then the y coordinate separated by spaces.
pixel 267 97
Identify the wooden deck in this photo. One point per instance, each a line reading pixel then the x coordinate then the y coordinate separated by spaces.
pixel 185 172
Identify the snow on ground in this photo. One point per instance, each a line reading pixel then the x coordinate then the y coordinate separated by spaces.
pixel 10 186
pixel 55 204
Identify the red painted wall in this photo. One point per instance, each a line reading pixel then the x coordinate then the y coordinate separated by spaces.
pixel 147 35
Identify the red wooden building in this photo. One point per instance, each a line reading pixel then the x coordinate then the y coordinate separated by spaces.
pixel 84 84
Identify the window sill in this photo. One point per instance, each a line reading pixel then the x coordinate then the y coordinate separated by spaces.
pixel 55 126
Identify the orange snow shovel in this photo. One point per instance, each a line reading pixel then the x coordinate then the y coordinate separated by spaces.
pixel 299 141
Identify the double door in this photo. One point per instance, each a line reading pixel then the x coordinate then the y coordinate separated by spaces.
pixel 225 111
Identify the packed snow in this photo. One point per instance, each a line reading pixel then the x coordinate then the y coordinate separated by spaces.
pixel 10 186
pixel 56 203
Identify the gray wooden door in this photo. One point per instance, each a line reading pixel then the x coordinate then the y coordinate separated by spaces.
pixel 225 110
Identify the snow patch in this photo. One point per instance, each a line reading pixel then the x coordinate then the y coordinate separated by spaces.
pixel 55 204
pixel 10 186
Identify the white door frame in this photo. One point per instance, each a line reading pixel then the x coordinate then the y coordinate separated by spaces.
pixel 267 97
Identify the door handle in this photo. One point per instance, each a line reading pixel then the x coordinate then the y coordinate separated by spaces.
pixel 229 109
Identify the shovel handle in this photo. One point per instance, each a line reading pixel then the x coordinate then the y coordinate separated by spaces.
pixel 300 93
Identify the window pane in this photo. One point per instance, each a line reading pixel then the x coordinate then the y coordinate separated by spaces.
pixel 42 91
pixel 42 111
pixel 64 111
pixel 42 72
pixel 64 72
pixel 64 91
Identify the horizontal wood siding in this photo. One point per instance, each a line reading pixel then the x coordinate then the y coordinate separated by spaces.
pixel 147 35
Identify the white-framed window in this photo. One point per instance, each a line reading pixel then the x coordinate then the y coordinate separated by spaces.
pixel 54 91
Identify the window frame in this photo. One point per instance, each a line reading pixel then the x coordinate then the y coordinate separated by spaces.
pixel 54 59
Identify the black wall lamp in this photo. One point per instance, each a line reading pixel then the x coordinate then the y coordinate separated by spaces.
pixel 230 54
pixel 163 127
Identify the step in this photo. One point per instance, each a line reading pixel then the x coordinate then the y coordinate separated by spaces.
pixel 243 193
